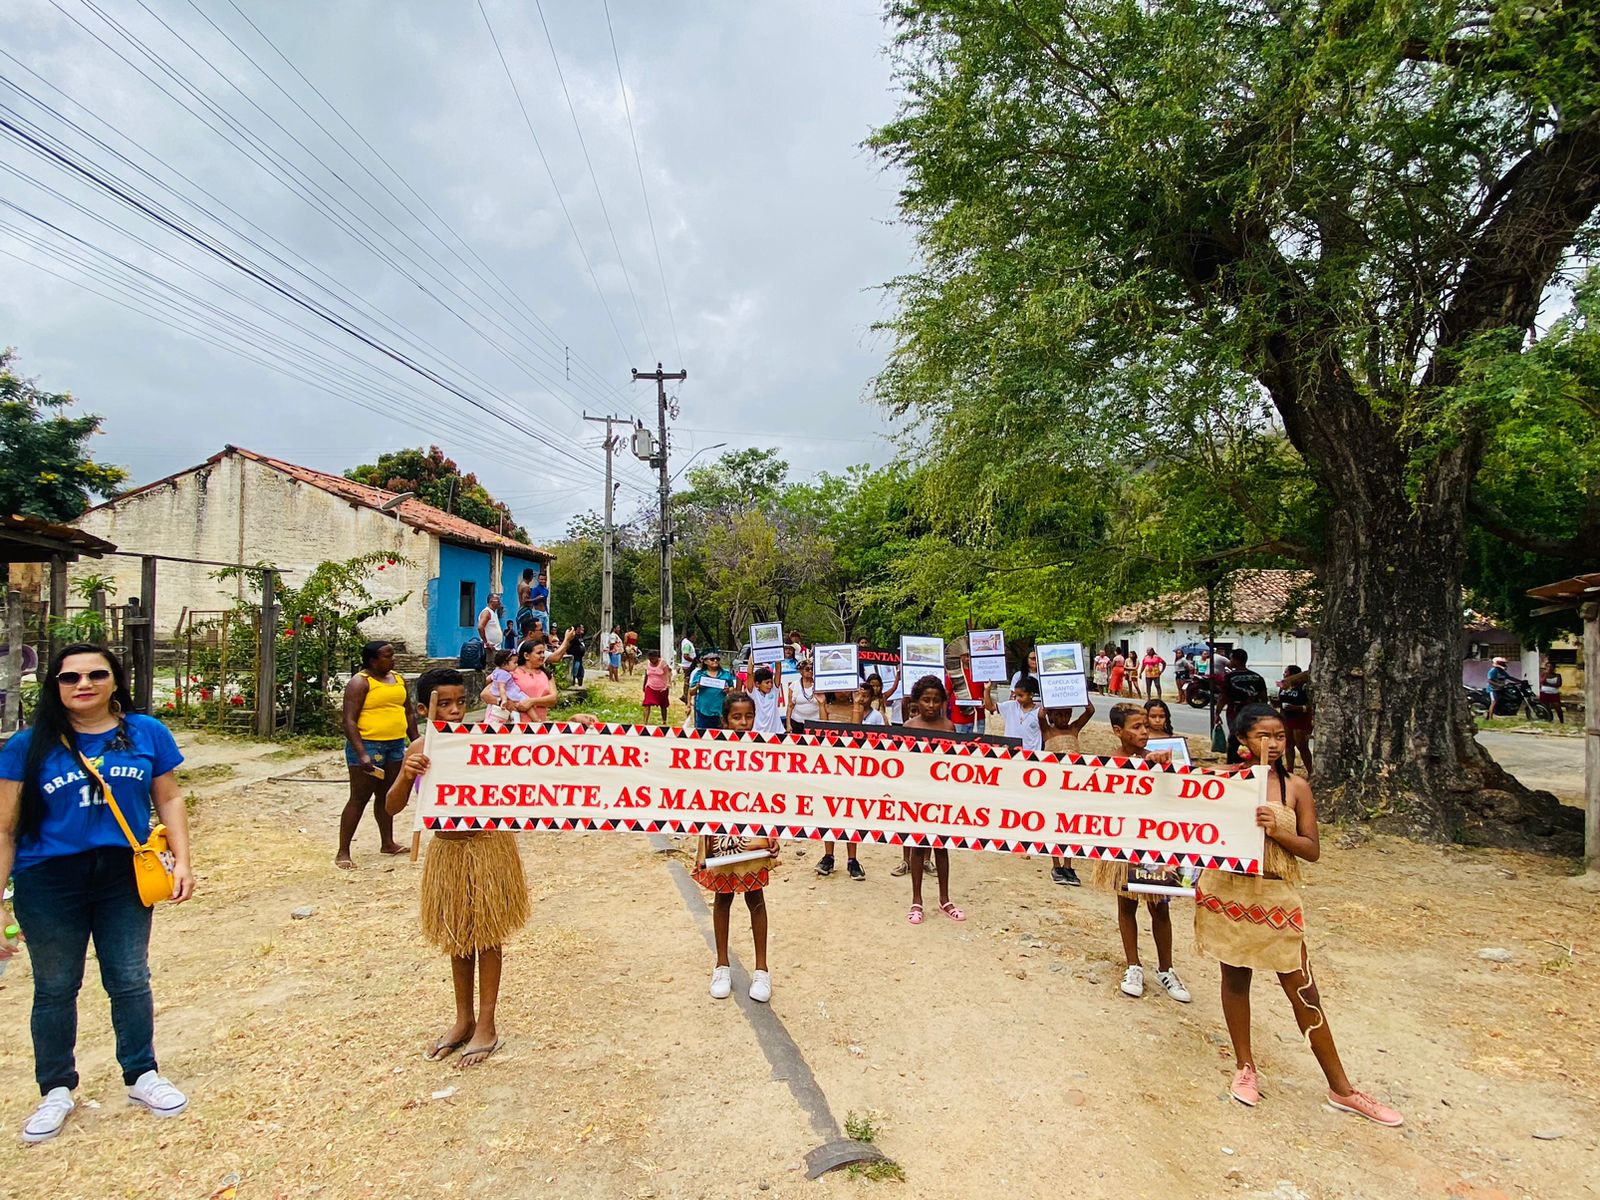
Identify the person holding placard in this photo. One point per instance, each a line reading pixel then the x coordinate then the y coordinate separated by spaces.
pixel 800 696
pixel 745 871
pixel 1129 724
pixel 928 712
pixel 1061 730
pixel 708 689
pixel 1023 717
pixel 1250 923
pixel 1030 671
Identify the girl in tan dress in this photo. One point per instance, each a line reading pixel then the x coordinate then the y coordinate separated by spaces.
pixel 748 879
pixel 1256 922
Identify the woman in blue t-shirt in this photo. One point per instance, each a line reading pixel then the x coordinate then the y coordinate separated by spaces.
pixel 74 870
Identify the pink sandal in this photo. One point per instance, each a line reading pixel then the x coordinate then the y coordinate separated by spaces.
pixel 949 909
pixel 915 915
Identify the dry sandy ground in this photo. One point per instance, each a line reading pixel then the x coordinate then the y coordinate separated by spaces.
pixel 995 1057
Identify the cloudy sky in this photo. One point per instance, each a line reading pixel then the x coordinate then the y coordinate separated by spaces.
pixel 428 228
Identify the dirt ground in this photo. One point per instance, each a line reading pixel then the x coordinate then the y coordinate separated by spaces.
pixel 991 1056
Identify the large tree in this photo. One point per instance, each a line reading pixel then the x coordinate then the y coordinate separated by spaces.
pixel 437 480
pixel 45 467
pixel 1150 229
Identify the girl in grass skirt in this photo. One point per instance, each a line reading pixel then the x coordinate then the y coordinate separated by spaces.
pixel 748 879
pixel 1250 923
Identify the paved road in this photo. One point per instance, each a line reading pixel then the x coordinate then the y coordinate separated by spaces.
pixel 1544 761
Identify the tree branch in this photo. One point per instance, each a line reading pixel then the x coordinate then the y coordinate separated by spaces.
pixel 1582 548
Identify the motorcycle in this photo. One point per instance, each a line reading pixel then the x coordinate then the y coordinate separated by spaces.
pixel 1198 694
pixel 1477 701
pixel 1518 698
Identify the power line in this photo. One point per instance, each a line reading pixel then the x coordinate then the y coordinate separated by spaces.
pixel 527 120
pixel 208 245
pixel 643 190
pixel 627 276
pixel 482 270
pixel 349 218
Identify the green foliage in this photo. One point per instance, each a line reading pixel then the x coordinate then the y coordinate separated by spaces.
pixel 45 467
pixel 319 638
pixel 1198 277
pixel 437 480
pixel 87 625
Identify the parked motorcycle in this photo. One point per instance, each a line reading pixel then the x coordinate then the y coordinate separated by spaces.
pixel 1199 693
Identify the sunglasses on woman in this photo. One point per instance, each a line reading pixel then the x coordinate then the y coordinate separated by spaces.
pixel 73 678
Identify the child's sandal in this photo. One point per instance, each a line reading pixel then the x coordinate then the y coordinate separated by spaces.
pixel 949 909
pixel 915 915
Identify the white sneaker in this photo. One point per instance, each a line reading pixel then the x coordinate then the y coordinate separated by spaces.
pixel 721 983
pixel 49 1117
pixel 1133 982
pixel 156 1093
pixel 1174 986
pixel 760 987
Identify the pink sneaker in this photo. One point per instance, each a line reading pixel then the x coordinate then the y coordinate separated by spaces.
pixel 1363 1105
pixel 1246 1087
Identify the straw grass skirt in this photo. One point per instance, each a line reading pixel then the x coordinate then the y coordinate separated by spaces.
pixel 474 893
pixel 1108 875
pixel 1249 921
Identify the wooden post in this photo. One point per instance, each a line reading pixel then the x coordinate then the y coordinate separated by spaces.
pixel 1590 612
pixel 267 658
pixel 147 639
pixel 58 603
pixel 13 712
pixel 97 604
pixel 294 680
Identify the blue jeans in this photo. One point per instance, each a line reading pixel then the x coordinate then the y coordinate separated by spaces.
pixel 61 903
pixel 577 671
pixel 382 754
pixel 707 720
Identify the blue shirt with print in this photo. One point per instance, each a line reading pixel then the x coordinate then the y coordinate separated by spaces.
pixel 708 700
pixel 75 818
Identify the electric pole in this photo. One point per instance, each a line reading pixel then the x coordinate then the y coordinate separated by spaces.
pixel 669 647
pixel 608 542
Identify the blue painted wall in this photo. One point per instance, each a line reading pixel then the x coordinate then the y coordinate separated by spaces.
pixel 457 565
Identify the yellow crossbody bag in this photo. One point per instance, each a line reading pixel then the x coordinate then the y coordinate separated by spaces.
pixel 152 861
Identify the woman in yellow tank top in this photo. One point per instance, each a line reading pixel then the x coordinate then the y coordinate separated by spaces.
pixel 378 726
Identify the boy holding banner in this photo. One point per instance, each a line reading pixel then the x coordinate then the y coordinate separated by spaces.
pixel 1129 724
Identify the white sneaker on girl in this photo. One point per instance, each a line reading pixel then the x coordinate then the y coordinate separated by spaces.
pixel 721 983
pixel 760 987
pixel 1133 982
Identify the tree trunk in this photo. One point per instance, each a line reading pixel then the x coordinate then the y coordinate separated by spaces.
pixel 1394 740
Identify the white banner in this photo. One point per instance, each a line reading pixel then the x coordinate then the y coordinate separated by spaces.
pixel 896 788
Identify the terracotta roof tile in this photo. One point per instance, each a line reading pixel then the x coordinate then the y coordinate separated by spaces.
pixel 412 512
pixel 1266 597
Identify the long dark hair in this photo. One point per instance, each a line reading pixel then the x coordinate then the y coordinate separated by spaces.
pixel 51 725
pixel 1249 717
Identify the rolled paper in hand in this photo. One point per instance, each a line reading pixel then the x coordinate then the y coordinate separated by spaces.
pixel 725 860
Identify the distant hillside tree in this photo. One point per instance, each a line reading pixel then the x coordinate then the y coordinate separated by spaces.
pixel 437 480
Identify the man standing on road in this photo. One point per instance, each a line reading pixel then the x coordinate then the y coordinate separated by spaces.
pixel 490 631
pixel 1240 687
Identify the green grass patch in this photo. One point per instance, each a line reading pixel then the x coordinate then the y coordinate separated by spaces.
pixel 863 1127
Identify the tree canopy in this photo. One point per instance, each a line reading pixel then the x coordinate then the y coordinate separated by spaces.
pixel 45 466
pixel 437 480
pixel 1294 253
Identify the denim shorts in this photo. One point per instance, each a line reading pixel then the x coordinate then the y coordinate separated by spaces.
pixel 381 753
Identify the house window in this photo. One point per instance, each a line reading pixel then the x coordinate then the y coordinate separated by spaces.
pixel 469 604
